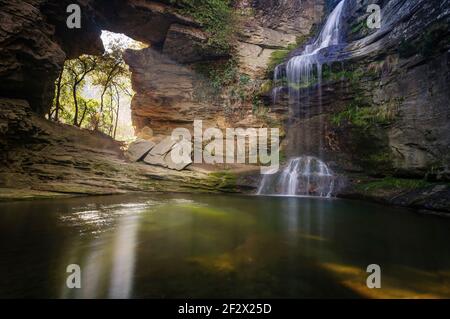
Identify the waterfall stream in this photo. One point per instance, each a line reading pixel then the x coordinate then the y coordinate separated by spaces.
pixel 306 175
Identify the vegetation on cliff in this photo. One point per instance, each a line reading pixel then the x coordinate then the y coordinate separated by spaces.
pixel 216 16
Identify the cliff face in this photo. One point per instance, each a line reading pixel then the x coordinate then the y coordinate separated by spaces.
pixel 35 41
pixel 268 25
pixel 384 103
pixel 382 108
pixel 48 157
pixel 172 81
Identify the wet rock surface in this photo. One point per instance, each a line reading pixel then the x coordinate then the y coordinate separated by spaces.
pixel 382 108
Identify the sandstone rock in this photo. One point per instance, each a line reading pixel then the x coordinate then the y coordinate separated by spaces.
pixel 270 26
pixel 163 147
pixel 254 59
pixel 187 44
pixel 400 77
pixel 146 133
pixel 158 160
pixel 176 166
pixel 39 158
pixel 139 149
pixel 146 21
pixel 35 40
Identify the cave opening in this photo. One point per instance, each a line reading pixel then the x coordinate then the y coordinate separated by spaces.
pixel 95 92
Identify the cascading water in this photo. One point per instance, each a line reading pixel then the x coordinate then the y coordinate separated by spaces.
pixel 299 69
pixel 306 175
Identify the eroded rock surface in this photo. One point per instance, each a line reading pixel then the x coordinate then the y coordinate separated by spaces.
pixel 50 159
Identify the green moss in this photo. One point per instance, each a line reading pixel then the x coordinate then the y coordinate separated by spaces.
pixel 381 160
pixel 265 87
pixel 362 115
pixel 217 17
pixel 278 56
pixel 391 183
pixel 223 180
pixel 218 75
pixel 359 27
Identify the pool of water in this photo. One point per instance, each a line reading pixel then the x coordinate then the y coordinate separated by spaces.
pixel 164 246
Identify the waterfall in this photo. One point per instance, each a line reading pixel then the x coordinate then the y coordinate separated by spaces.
pixel 304 175
pixel 299 69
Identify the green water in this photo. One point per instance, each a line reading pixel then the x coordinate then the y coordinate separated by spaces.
pixel 161 246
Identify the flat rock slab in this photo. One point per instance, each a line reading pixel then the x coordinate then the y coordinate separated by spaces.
pixel 139 149
pixel 155 160
pixel 163 147
pixel 176 166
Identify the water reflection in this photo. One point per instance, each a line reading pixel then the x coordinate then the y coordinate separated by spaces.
pixel 108 263
pixel 124 258
pixel 219 246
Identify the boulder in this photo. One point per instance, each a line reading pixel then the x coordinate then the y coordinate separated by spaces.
pixel 155 160
pixel 176 166
pixel 138 149
pixel 163 147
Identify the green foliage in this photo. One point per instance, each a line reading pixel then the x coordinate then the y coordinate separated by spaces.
pixel 87 76
pixel 359 27
pixel 215 15
pixel 352 75
pixel 220 75
pixel 279 56
pixel 362 115
pixel 265 87
pixel 224 78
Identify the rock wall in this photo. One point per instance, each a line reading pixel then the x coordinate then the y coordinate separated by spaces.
pixel 384 104
pixel 268 25
pixel 47 157
pixel 34 45
pixel 35 40
pixel 171 89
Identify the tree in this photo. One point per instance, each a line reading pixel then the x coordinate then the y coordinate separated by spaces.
pixel 89 90
pixel 77 70
pixel 112 68
pixel 58 96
